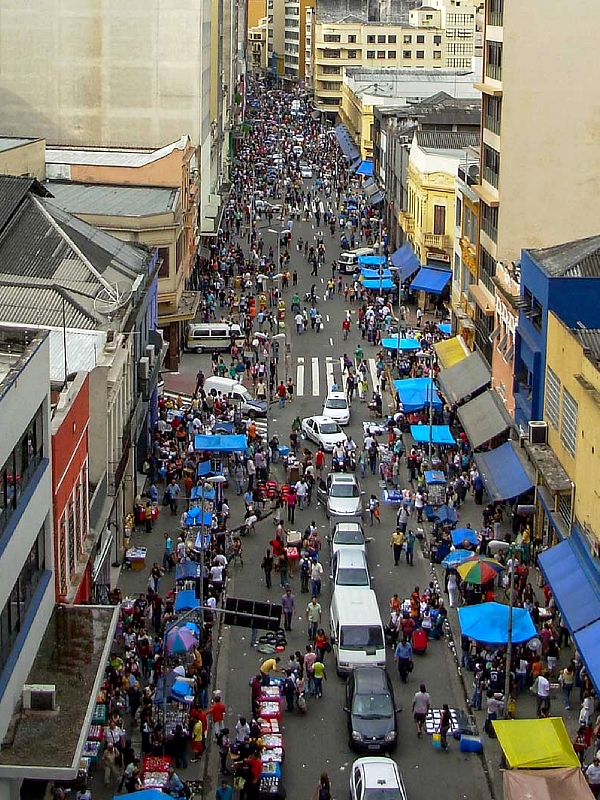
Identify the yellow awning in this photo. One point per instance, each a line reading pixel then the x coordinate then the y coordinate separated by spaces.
pixel 535 743
pixel 450 351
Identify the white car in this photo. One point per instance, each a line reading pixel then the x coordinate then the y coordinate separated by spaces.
pixel 337 407
pixel 306 172
pixel 323 430
pixel 297 150
pixel 376 778
pixel 341 495
pixel 347 534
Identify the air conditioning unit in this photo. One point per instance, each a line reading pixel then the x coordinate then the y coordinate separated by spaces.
pixel 151 353
pixel 538 432
pixel 144 368
pixel 39 697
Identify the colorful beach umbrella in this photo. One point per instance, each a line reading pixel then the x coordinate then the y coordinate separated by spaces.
pixel 479 570
pixel 457 557
pixel 179 640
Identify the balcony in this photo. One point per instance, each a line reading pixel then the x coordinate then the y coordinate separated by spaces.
pixel 441 241
pixel 407 221
pixel 469 254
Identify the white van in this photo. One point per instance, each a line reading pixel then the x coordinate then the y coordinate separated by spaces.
pixel 247 404
pixel 357 636
pixel 348 260
pixel 206 336
pixel 349 568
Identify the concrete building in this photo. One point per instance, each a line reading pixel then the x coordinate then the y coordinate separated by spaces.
pixel 276 38
pixel 257 47
pixel 20 156
pixel 466 236
pixel 297 13
pixel 354 41
pixel 502 340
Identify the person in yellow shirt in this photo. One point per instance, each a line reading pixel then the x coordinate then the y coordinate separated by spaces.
pixel 267 667
pixel 396 542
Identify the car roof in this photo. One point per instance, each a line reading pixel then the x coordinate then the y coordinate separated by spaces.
pixel 379 772
pixel 340 477
pixel 370 679
pixel 322 418
pixel 337 396
pixel 347 527
pixel 348 557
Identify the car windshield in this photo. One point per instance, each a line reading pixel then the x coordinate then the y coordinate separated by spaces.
pixel 336 402
pixel 348 576
pixel 372 706
pixel 382 794
pixel 344 490
pixel 349 537
pixel 361 637
pixel 329 427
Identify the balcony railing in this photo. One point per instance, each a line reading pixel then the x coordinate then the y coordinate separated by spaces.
pixel 407 221
pixel 436 240
pixel 493 71
pixel 469 253
pixel 491 123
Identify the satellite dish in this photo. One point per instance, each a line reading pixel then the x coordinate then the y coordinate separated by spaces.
pixel 473 171
pixel 109 300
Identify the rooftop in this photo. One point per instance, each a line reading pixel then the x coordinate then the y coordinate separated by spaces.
pixel 117 201
pixel 589 339
pixel 577 259
pixel 391 12
pixel 10 142
pixel 16 348
pixel 72 657
pixel 446 140
pixel 112 157
pixel 546 461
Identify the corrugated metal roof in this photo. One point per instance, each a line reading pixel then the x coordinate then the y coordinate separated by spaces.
pixel 121 201
pixel 12 192
pixel 10 142
pixel 577 259
pixel 590 341
pixel 446 140
pixel 111 157
pixel 46 306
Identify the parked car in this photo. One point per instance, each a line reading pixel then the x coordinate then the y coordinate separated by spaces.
pixel 337 407
pixel 371 710
pixel 341 495
pixel 349 568
pixel 376 778
pixel 306 172
pixel 323 430
pixel 347 534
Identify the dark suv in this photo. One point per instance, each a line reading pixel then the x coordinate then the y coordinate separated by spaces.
pixel 371 710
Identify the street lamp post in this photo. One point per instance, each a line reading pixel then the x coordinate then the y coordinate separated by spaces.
pixel 509 634
pixel 278 234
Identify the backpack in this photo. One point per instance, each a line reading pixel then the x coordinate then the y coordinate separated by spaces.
pixel 324 793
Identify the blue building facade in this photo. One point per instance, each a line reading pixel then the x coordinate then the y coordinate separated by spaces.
pixel 564 279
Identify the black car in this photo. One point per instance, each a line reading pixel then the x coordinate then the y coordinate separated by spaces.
pixel 371 710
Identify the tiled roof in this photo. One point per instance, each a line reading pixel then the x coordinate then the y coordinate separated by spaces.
pixel 447 140
pixel 577 259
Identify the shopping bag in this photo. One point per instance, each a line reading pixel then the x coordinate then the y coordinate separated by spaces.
pixel 239 782
pixel 436 741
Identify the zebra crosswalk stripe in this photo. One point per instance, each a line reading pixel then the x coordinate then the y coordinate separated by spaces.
pixel 315 377
pixel 333 374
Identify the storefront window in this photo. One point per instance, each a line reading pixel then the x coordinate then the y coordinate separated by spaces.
pixel 20 467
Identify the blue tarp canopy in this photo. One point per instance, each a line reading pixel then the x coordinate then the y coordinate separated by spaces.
pixel 488 623
pixel 194 517
pixel 440 434
pixel 445 328
pixel 364 168
pixel 405 260
pixel 431 280
pixel 199 492
pixel 415 394
pixel 400 344
pixel 586 642
pixel 187 571
pixel 460 535
pixel 375 274
pixel 221 444
pixel 204 468
pixel 186 600
pixel 345 142
pixel 376 198
pixel 143 794
pixel 371 261
pixel 434 476
pixel 574 585
pixel 445 514
pixel 379 283
pixel 502 472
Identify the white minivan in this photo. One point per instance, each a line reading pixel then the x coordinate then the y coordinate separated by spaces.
pixel 357 637
pixel 202 337
pixel 227 386
pixel 348 260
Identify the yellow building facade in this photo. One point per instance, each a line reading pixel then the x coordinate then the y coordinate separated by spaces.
pixel 358 119
pixel 431 205
pixel 572 413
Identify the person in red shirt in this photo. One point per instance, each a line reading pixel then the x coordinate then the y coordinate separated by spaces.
pixel 319 461
pixel 217 714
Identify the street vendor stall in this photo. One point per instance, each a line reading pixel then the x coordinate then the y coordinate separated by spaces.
pixel 535 743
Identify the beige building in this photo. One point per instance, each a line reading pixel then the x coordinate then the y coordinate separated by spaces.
pixel 423 43
pixel 22 157
pixel 276 34
pixel 294 45
pixel 257 46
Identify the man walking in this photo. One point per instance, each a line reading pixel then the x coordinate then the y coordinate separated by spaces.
pixel 396 542
pixel 316 574
pixel 288 606
pixel 313 617
pixel 172 493
pixel 404 658
pixel 420 708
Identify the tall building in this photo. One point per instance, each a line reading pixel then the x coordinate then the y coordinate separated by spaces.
pixel 539 157
pixel 297 12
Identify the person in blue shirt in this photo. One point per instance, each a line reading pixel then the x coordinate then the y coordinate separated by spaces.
pixel 224 791
pixel 153 493
pixel 404 658
pixel 174 785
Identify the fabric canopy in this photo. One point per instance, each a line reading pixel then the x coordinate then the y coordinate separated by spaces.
pixel 440 434
pixel 450 351
pixel 484 418
pixel 195 518
pixel 186 600
pixel 502 472
pixel 372 261
pixel 405 260
pixel 345 142
pixel 375 199
pixel 574 586
pixel 187 571
pixel 461 535
pixel 143 794
pixel 379 283
pixel 400 344
pixel 549 784
pixel 464 378
pixel 221 444
pixel 535 743
pixel 431 280
pixel 375 273
pixel 364 168
pixel 488 623
pixel 415 394
pixel 204 468
pixel 587 642
pixel 200 492
pixel 444 327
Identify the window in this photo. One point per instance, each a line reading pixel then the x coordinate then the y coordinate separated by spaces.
pixel 437 55
pixel 381 54
pixel 329 69
pixel 20 467
pixel 437 39
pixel 491 165
pixel 458 219
pixel 163 253
pixel 370 39
pixel 391 54
pixel 332 37
pixel 381 40
pixel 420 39
pixel 420 53
pixel 407 54
pixel 552 398
pixel 492 108
pixel 459 63
pixel 493 62
pixel 487 269
pixel 568 428
pixel 351 53
pixel 352 38
pixel 392 39
pixel 407 39
pixel 470 226
pixel 494 12
pixel 331 54
pixel 439 220
pixel 370 53
pixel 489 221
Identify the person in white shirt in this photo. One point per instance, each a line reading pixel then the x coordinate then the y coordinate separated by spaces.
pixel 316 574
pixel 216 577
pixel 301 492
pixel 542 690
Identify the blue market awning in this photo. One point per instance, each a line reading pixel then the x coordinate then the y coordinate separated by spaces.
pixel 204 469
pixel 587 643
pixel 371 261
pixel 385 284
pixel 364 168
pixel 574 582
pixel 440 434
pixel 405 260
pixel 415 394
pixel 375 199
pixel 194 517
pixel 445 328
pixel 345 142
pixel 431 280
pixel 186 600
pixel 434 476
pixel 187 571
pixel 461 535
pixel 400 344
pixel 488 623
pixel 200 492
pixel 502 472
pixel 375 273
pixel 221 444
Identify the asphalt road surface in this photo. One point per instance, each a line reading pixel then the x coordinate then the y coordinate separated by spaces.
pixel 318 741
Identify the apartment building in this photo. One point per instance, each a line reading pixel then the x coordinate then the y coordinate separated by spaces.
pixel 422 43
pixel 294 47
pixel 537 154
